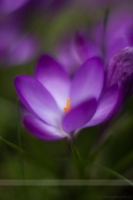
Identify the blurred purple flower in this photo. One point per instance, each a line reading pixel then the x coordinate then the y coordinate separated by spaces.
pixel 113 43
pixel 101 41
pixel 8 6
pixel 72 52
pixel 120 68
pixel 53 5
pixel 99 4
pixel 15 47
pixel 59 106
pixel 119 50
pixel 119 31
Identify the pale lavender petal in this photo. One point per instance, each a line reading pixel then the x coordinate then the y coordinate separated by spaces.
pixel 88 81
pixel 41 129
pixel 54 78
pixel 67 57
pixel 37 99
pixel 79 115
pixel 108 105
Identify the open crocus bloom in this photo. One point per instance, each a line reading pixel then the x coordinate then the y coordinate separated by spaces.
pixel 59 106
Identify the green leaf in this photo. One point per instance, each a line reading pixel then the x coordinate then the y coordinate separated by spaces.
pixel 111 172
pixel 14 146
pixel 124 163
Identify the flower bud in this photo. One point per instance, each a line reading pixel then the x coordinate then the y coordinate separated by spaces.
pixel 120 69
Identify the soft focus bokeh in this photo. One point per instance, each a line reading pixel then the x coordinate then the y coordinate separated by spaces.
pixel 29 28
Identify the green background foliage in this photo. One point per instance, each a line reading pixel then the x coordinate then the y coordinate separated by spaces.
pixel 104 149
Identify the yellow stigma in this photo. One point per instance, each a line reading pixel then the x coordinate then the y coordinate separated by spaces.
pixel 67 108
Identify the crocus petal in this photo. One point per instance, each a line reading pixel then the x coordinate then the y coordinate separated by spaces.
pixel 37 99
pixel 67 57
pixel 97 33
pixel 88 81
pixel 84 48
pixel 79 115
pixel 54 78
pixel 116 45
pixel 108 105
pixel 41 129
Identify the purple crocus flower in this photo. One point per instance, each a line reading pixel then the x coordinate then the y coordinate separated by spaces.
pixel 8 6
pixel 16 48
pixel 53 5
pixel 119 50
pixel 119 31
pixel 120 68
pixel 73 52
pixel 99 4
pixel 58 105
pixel 116 40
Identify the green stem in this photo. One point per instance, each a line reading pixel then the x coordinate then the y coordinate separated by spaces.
pixel 21 161
pixel 76 152
pixel 14 146
pixel 80 164
pixel 19 142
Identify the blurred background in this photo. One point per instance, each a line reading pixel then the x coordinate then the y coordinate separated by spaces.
pixel 29 28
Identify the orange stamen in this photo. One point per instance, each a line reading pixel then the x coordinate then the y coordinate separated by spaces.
pixel 67 108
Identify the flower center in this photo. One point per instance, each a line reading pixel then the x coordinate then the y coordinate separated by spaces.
pixel 67 108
